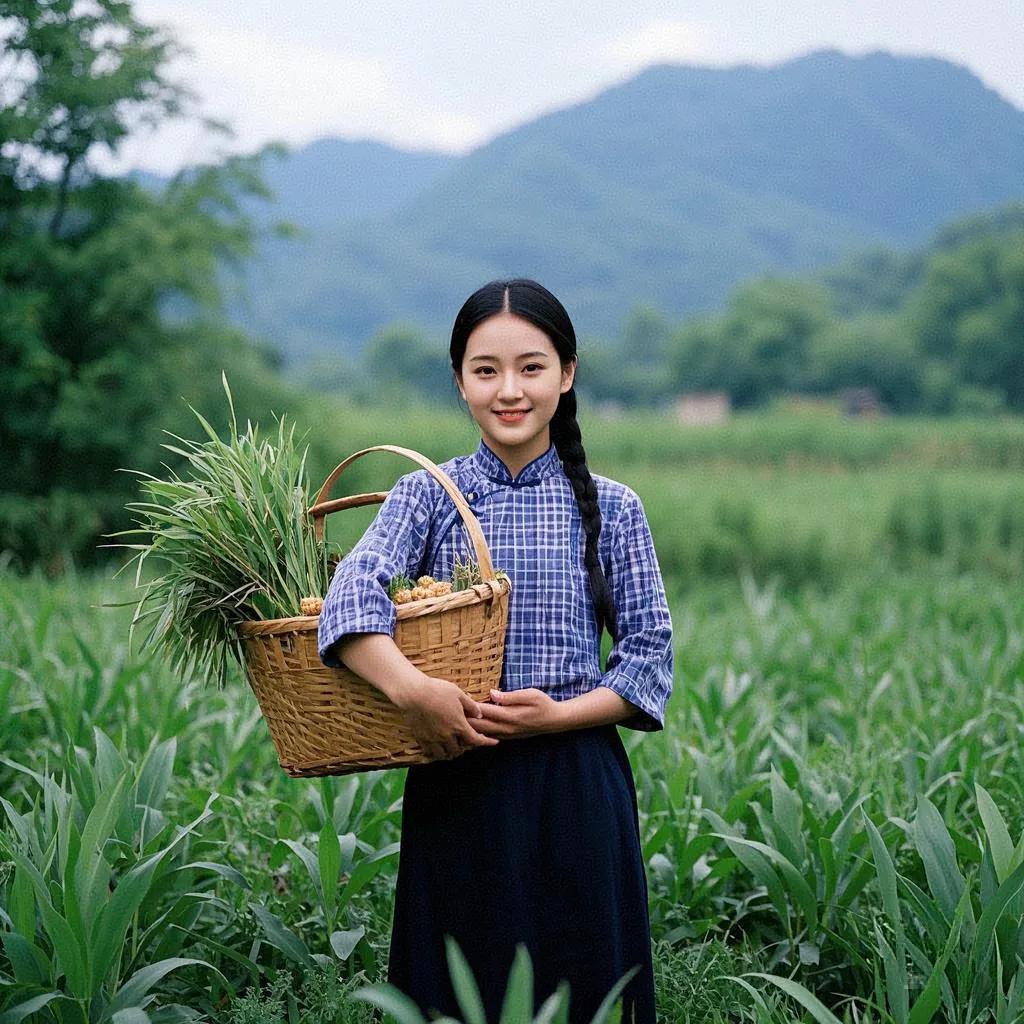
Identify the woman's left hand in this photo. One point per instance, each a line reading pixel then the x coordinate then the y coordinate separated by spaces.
pixel 514 714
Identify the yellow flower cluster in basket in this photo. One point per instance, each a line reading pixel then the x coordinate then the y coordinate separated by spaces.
pixel 402 589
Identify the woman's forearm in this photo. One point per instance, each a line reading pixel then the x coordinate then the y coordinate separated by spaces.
pixel 377 658
pixel 599 706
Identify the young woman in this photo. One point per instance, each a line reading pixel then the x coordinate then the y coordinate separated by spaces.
pixel 524 829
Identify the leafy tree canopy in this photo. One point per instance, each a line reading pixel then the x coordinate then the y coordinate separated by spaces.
pixel 110 297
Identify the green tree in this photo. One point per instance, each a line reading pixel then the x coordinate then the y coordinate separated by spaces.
pixel 938 331
pixel 770 325
pixel 969 313
pixel 87 76
pixel 698 359
pixel 760 345
pixel 645 335
pixel 110 301
pixel 868 352
pixel 634 372
pixel 597 370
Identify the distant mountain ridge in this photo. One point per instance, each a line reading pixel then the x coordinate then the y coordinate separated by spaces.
pixel 334 180
pixel 670 187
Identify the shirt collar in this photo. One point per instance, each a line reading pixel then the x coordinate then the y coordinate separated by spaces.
pixel 542 467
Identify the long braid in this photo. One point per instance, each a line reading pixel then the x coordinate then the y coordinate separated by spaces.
pixel 530 300
pixel 568 441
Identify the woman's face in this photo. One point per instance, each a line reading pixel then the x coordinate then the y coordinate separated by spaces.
pixel 509 364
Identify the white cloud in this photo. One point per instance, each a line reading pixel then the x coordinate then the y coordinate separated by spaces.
pixel 661 40
pixel 449 131
pixel 268 86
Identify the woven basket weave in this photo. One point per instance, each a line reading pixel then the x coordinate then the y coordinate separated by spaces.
pixel 329 721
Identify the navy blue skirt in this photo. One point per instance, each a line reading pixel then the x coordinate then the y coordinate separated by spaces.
pixel 533 841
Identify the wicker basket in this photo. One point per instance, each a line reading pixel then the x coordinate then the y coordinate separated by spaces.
pixel 330 721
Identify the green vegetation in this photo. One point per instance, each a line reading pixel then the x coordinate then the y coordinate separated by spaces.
pixel 949 341
pixel 109 301
pixel 835 800
pixel 232 540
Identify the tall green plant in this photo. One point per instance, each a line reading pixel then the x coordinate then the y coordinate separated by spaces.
pixel 100 878
pixel 517 1006
pixel 342 865
pixel 234 542
pixel 951 949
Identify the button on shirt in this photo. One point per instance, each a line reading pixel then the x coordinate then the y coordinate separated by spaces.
pixel 534 531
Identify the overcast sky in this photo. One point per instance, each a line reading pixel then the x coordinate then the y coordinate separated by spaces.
pixel 450 74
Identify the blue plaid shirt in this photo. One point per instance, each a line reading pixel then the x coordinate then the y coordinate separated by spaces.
pixel 534 532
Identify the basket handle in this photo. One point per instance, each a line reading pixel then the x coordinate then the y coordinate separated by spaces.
pixel 323 508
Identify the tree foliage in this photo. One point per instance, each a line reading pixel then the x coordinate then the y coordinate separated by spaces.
pixel 947 337
pixel 110 296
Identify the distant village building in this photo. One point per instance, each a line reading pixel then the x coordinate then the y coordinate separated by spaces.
pixel 702 407
pixel 861 402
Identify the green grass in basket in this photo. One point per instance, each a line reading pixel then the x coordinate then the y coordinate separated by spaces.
pixel 233 542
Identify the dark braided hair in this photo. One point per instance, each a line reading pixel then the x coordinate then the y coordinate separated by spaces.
pixel 533 302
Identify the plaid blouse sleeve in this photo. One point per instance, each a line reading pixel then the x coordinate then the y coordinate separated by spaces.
pixel 640 663
pixel 357 600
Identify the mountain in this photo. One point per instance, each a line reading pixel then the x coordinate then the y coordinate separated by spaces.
pixel 670 188
pixel 333 180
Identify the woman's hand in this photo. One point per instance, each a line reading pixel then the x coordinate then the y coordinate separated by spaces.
pixel 438 713
pixel 518 713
